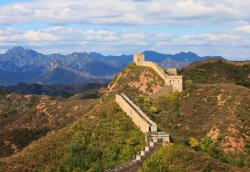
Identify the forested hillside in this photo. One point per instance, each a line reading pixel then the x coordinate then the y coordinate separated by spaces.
pixel 208 123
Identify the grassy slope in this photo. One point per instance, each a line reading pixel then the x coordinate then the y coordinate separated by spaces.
pixel 176 157
pixel 201 107
pixel 193 113
pixel 98 140
pixel 102 138
pixel 91 143
pixel 132 74
pixel 218 71
pixel 27 118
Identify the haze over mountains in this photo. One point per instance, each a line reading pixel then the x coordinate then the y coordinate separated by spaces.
pixel 25 65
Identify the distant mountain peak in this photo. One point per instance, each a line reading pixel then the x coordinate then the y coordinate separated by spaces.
pixel 187 53
pixel 21 50
pixel 16 49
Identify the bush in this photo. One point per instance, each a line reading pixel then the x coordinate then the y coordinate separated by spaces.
pixel 247 145
pixel 9 109
pixel 147 101
pixel 193 142
pixel 176 109
pixel 212 148
pixel 205 143
pixel 115 109
pixel 208 168
pixel 103 114
pixel 154 109
pixel 125 127
pixel 144 101
pixel 188 84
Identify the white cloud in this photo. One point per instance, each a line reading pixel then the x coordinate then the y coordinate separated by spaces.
pixel 127 11
pixel 39 36
pixel 231 44
pixel 243 29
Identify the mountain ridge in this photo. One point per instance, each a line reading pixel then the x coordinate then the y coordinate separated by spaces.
pixel 26 65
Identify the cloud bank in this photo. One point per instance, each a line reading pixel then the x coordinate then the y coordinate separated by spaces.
pixel 142 12
pixel 61 35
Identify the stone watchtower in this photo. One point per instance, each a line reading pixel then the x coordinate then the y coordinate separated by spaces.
pixel 139 58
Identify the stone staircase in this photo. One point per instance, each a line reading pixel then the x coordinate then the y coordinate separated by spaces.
pixel 134 163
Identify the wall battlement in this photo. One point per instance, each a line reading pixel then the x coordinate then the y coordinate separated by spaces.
pixel 170 78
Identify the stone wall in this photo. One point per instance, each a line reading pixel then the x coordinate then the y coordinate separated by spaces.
pixel 139 118
pixel 172 80
pixel 175 81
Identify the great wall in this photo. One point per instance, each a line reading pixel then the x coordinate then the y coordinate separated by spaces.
pixel 153 138
pixel 170 77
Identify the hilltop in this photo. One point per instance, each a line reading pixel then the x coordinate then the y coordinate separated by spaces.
pixel 218 71
pixel 208 123
pixel 215 111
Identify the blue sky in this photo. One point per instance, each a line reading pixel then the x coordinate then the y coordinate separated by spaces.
pixel 207 27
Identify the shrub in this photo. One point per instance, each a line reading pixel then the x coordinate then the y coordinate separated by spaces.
pixel 240 163
pixel 193 142
pixel 154 109
pixel 147 101
pixel 176 109
pixel 125 127
pixel 103 114
pixel 247 145
pixel 212 148
pixel 115 109
pixel 205 143
pixel 8 109
pixel 214 151
pixel 220 137
pixel 144 101
pixel 208 168
pixel 188 84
